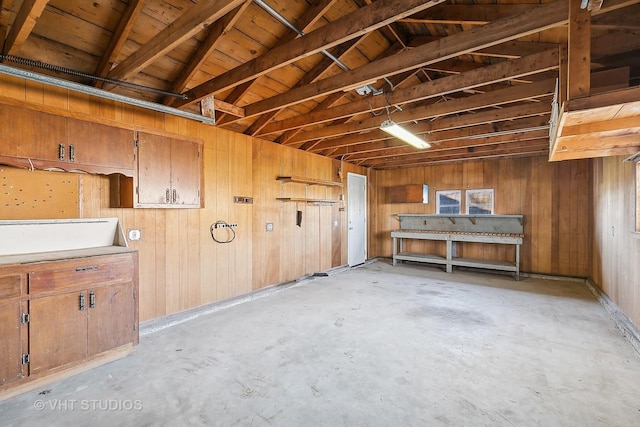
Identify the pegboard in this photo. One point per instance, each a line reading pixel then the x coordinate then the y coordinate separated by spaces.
pixel 26 194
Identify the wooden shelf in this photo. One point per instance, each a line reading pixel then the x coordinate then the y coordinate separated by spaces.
pixel 307 200
pixel 309 181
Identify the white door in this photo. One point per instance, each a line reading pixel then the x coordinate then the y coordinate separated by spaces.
pixel 357 218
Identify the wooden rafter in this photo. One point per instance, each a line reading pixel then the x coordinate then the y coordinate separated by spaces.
pixel 309 18
pixel 474 102
pixel 353 144
pixel 479 77
pixel 346 28
pixel 119 37
pixel 23 24
pixel 208 45
pixel 187 25
pixel 538 19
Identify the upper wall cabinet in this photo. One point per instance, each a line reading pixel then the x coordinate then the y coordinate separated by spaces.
pixel 168 175
pixel 40 140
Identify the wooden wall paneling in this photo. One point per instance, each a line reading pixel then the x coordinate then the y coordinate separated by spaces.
pixel 56 97
pixel 240 161
pixel 223 197
pixel 37 194
pixel 13 87
pixel 266 244
pixel 208 262
pixel 525 207
pixel 616 248
pixel 325 226
pixel 540 228
pixel 33 92
pixel 311 226
pixel 148 264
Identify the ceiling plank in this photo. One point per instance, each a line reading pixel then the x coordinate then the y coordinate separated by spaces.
pixel 343 29
pixel 194 20
pixel 544 17
pixel 208 45
pixel 23 24
pixel 474 102
pixel 312 15
pixel 495 73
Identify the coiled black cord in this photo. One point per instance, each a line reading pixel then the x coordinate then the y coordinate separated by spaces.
pixel 224 225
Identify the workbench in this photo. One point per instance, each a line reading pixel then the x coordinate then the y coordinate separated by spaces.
pixel 454 229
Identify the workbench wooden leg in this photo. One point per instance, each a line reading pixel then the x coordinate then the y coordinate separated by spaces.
pixel 449 256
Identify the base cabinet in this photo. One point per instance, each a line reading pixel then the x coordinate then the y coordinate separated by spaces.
pixel 69 311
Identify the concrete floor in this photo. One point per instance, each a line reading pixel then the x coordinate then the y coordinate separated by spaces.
pixel 372 346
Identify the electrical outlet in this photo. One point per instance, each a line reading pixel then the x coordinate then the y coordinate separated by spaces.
pixel 134 234
pixel 269 226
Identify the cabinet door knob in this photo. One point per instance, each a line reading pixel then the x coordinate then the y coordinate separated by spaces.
pixel 61 152
pixel 167 196
pixel 175 196
pixel 72 153
pixel 92 299
pixel 81 301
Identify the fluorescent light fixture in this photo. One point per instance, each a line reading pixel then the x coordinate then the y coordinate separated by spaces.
pixel 390 127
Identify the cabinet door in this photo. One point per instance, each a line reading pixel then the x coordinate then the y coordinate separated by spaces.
pixel 57 330
pixel 11 349
pixel 154 169
pixel 31 134
pixel 12 331
pixel 185 172
pixel 111 317
pixel 100 145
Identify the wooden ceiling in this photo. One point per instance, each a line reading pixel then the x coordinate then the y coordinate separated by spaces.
pixel 475 78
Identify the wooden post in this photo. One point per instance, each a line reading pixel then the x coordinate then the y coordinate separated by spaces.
pixel 579 51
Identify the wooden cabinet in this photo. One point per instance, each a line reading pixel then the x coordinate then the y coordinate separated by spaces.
pixel 71 310
pixel 168 175
pixel 12 329
pixel 40 140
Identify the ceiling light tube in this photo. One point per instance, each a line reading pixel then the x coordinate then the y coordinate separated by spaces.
pixel 390 127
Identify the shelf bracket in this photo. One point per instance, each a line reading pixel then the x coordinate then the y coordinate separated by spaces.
pixel 453 221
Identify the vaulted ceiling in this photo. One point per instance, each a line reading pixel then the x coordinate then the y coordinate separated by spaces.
pixel 473 77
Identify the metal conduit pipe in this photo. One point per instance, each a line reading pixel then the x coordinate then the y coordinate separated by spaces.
pixel 271 11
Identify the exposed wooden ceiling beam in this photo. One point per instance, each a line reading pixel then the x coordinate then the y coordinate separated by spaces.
pixel 536 20
pixel 353 144
pixel 194 20
pixel 436 147
pixel 525 148
pixel 23 24
pixel 346 28
pixel 502 71
pixel 119 37
pixel 312 15
pixel 208 45
pixel 579 52
pixel 474 102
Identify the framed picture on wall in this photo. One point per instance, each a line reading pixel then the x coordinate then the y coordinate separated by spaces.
pixel 479 202
pixel 448 202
